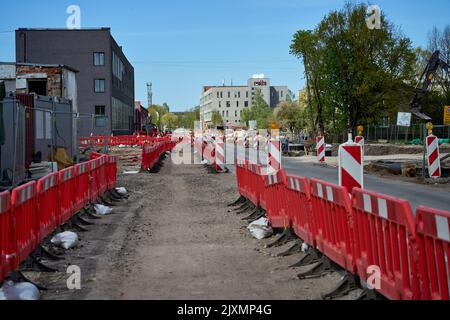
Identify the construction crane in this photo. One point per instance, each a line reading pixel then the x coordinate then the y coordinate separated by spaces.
pixel 434 64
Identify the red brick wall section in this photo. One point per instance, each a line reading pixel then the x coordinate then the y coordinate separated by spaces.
pixel 53 77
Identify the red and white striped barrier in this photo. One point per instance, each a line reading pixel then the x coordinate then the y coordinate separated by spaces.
pixel 220 154
pixel 274 156
pixel 360 140
pixel 351 173
pixel 434 162
pixel 320 147
pixel 256 142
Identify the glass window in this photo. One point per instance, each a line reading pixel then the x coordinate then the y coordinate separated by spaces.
pixel 237 104
pixel 100 119
pixel 99 58
pixel 229 94
pixel 246 103
pixel 228 104
pixel 246 94
pixel 99 110
pixel 99 85
pixel 235 113
pixel 220 104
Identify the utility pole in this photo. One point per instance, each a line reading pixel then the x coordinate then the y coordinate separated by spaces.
pixel 149 94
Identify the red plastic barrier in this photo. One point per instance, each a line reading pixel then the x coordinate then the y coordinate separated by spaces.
pixel 256 184
pixel 102 174
pixel 24 211
pixel 93 180
pixel 241 176
pixel 433 245
pixel 332 210
pixel 7 250
pixel 275 199
pixel 82 178
pixel 112 172
pixel 150 156
pixel 48 205
pixel 299 210
pixel 67 189
pixel 384 238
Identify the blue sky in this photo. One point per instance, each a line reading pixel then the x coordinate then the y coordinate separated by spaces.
pixel 181 45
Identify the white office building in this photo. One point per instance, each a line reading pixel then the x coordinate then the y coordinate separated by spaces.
pixel 230 101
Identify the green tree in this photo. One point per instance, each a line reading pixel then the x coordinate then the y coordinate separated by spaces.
pixel 187 121
pixel 260 112
pixel 354 75
pixel 156 113
pixel 216 119
pixel 289 116
pixel 170 120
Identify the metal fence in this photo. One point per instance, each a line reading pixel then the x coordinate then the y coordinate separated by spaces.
pixel 397 134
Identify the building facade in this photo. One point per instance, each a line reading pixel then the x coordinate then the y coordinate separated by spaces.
pixel 230 101
pixel 105 78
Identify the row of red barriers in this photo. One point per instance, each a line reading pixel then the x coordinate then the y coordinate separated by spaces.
pixel 359 231
pixel 151 152
pixel 114 141
pixel 31 212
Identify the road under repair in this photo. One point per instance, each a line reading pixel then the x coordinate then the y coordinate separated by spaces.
pixel 177 238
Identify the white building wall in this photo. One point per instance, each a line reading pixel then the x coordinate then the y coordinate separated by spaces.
pixel 230 101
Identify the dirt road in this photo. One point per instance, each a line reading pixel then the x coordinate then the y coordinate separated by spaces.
pixel 176 239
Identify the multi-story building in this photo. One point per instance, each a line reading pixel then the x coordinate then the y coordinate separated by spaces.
pixel 105 78
pixel 230 101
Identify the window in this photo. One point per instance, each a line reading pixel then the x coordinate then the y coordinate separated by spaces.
pixel 99 85
pixel 246 94
pixel 227 113
pixel 218 94
pixel 220 104
pixel 99 110
pixel 235 113
pixel 122 115
pixel 239 94
pixel 229 94
pixel 228 104
pixel 100 119
pixel 246 103
pixel 223 113
pixel 237 104
pixel 221 94
pixel 99 58
pixel 282 94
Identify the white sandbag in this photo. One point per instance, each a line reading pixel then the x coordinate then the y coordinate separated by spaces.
pixel 122 191
pixel 19 291
pixel 261 229
pixel 130 172
pixel 67 240
pixel 102 210
pixel 305 247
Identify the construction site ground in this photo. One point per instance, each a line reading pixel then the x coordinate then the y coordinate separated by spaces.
pixel 177 238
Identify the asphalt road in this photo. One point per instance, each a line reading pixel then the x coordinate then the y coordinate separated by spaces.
pixel 416 194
